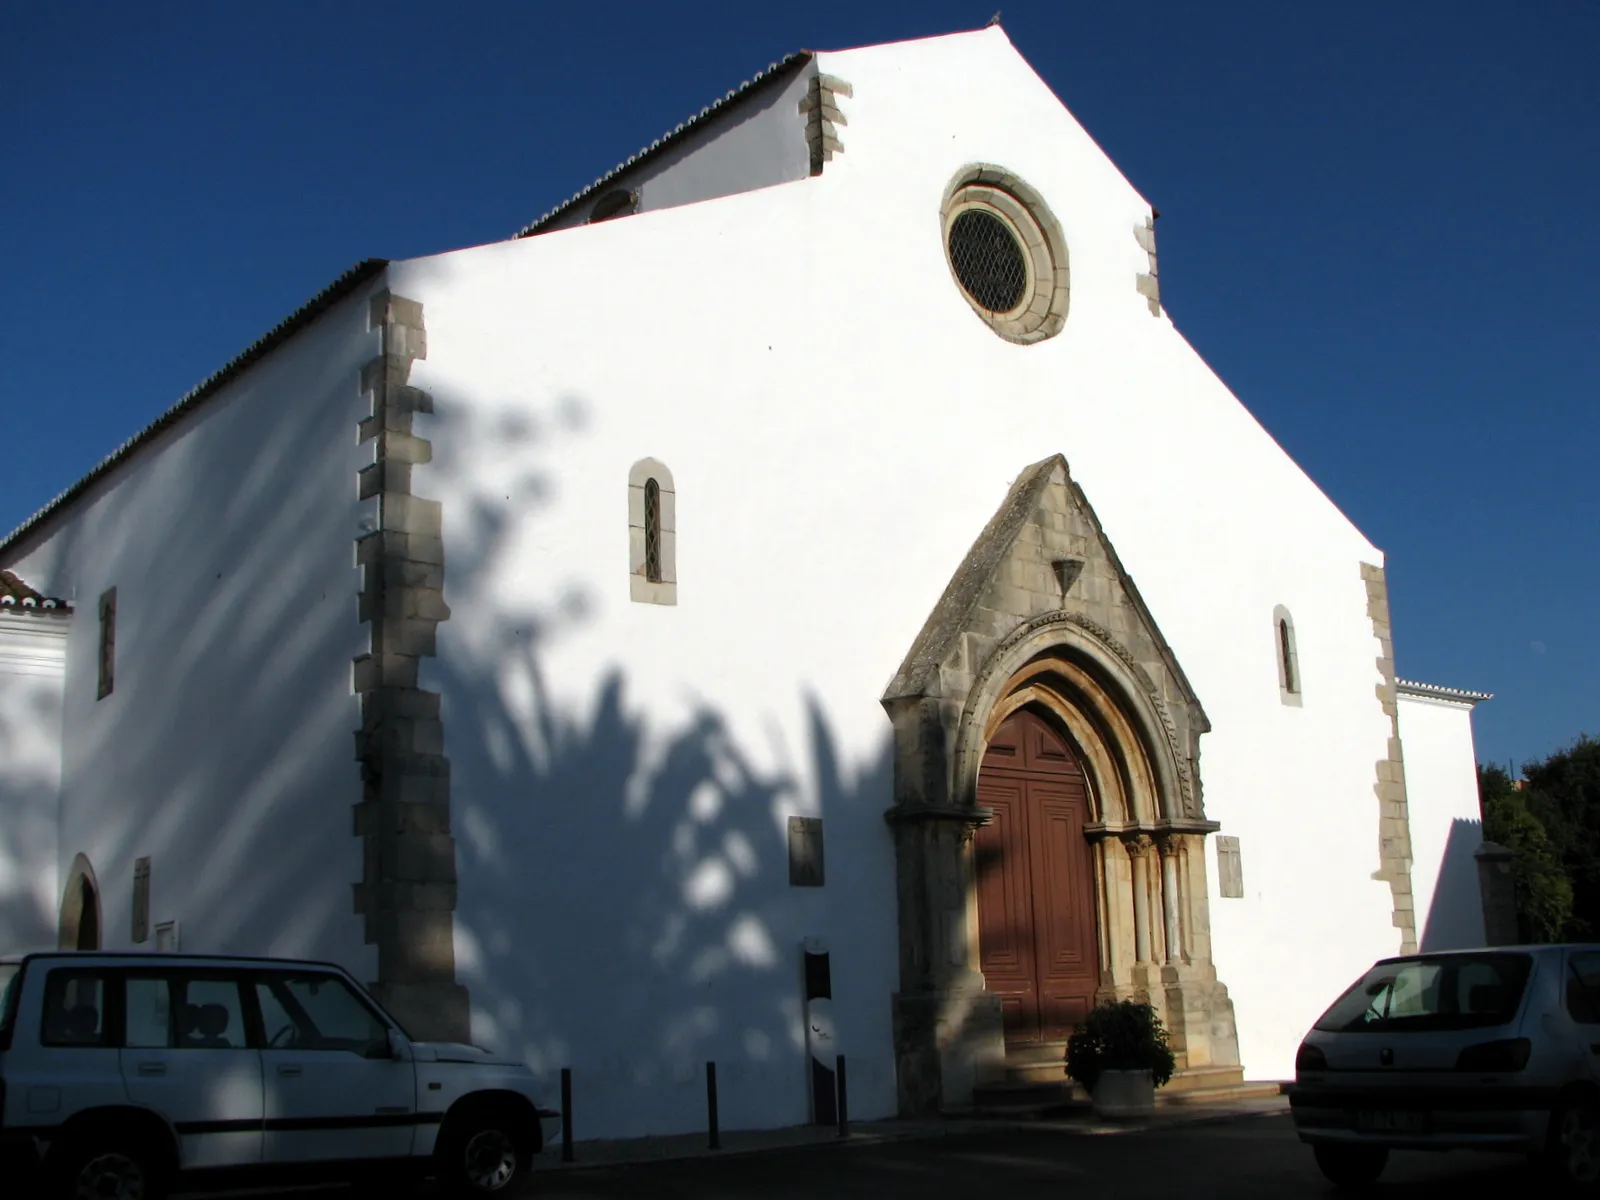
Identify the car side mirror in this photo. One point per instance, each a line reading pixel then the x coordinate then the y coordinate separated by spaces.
pixel 393 1046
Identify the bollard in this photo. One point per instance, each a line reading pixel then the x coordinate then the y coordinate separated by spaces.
pixel 566 1114
pixel 844 1101
pixel 711 1105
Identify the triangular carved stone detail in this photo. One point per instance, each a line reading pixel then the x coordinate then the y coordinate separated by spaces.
pixel 1044 557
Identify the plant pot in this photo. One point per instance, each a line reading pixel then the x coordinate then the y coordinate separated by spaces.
pixel 1124 1094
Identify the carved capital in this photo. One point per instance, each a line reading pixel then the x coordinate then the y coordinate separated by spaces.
pixel 1138 845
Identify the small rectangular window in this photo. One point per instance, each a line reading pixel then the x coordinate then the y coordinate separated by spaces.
pixel 108 641
pixel 74 1009
pixel 167 937
pixel 805 852
pixel 141 900
pixel 1230 872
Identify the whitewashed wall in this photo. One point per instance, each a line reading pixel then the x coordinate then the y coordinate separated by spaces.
pixel 32 661
pixel 840 427
pixel 1446 820
pixel 225 751
pixel 757 142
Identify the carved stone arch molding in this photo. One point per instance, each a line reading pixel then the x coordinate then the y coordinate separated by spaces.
pixel 1041 615
pixel 81 925
pixel 1064 662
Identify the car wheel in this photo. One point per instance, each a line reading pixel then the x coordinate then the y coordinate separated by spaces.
pixel 105 1168
pixel 483 1153
pixel 1351 1166
pixel 1574 1153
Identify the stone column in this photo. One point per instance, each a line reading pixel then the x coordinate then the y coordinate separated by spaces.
pixel 1139 857
pixel 947 1029
pixel 1171 900
pixel 1196 901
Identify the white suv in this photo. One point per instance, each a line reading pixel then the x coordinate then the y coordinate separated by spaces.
pixel 1475 1049
pixel 121 1074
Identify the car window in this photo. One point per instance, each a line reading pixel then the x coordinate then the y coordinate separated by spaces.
pixel 1583 987
pixel 74 1008
pixel 9 974
pixel 1447 992
pixel 317 1012
pixel 149 1013
pixel 181 1011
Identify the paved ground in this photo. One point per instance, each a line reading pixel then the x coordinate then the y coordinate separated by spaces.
pixel 1242 1157
pixel 1239 1159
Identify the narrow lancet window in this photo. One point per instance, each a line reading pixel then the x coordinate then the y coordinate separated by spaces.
pixel 652 531
pixel 1288 657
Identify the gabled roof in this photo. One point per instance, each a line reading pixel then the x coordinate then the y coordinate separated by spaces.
pixel 781 69
pixel 260 348
pixel 368 269
pixel 1434 691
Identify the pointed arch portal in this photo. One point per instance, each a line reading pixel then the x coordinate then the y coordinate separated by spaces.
pixel 1049 831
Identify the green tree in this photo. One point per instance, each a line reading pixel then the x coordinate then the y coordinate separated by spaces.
pixel 1563 791
pixel 1544 890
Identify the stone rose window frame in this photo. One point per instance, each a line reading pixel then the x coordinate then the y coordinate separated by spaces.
pixel 1041 311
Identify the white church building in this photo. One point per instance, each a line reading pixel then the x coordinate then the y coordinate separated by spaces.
pixel 816 532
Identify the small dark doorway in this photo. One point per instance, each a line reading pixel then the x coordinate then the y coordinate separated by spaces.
pixel 80 909
pixel 1037 938
pixel 88 917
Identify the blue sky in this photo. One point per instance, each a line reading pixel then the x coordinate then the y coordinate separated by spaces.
pixel 1379 224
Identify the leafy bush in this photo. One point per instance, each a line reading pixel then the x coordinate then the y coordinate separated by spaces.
pixel 1123 1035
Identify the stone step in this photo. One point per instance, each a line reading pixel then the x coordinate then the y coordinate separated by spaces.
pixel 1041 1068
pixel 1026 1101
pixel 1256 1090
pixel 1204 1078
pixel 1018 1095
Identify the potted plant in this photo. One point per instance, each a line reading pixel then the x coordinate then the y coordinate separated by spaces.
pixel 1120 1055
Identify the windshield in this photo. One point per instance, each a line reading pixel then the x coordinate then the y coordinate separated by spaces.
pixel 1457 991
pixel 8 975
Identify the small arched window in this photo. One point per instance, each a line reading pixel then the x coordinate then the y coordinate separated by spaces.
pixel 652 533
pixel 1289 689
pixel 620 203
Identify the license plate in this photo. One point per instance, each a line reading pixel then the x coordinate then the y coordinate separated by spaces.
pixel 1392 1122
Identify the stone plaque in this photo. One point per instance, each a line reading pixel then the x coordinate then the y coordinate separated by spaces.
pixel 805 852
pixel 1230 874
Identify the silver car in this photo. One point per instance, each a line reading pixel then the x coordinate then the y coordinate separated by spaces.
pixel 1471 1049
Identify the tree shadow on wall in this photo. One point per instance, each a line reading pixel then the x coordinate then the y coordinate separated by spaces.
pixel 625 907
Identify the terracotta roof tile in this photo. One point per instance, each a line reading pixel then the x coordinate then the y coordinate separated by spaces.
pixel 17 596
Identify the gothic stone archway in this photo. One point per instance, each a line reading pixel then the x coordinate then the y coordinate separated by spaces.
pixel 79 927
pixel 1041 621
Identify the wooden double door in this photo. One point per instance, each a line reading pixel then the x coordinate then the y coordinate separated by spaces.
pixel 1037 937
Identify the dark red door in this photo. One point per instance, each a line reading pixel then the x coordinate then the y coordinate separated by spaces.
pixel 1038 947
